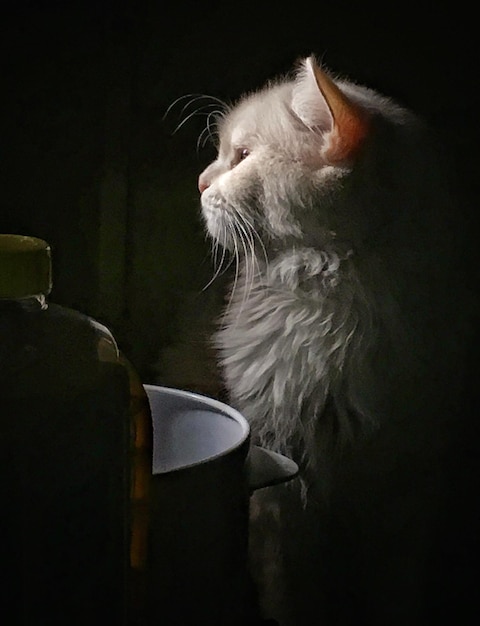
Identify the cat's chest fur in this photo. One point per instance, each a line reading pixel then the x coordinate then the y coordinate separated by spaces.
pixel 290 334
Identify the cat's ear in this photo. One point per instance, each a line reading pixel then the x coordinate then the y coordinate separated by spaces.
pixel 322 106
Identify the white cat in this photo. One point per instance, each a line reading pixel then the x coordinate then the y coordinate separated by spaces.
pixel 341 343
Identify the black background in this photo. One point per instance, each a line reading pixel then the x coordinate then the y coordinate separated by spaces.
pixel 89 163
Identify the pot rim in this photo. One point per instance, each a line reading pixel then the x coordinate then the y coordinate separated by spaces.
pixel 218 407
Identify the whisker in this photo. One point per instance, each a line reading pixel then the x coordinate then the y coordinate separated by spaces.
pixel 174 103
pixel 219 269
pixel 245 232
pixel 200 141
pixel 254 259
pixel 249 254
pixel 255 234
pixel 194 97
pixel 246 242
pixel 210 124
pixel 204 108
pixel 199 111
pixel 237 263
pixel 210 134
pixel 207 133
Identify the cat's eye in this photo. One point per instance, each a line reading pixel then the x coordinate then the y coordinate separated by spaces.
pixel 240 155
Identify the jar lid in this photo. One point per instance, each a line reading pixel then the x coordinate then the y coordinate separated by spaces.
pixel 25 266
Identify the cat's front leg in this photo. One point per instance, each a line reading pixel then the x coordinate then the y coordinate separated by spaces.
pixel 265 556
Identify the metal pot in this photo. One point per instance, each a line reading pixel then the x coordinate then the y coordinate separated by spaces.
pixel 204 470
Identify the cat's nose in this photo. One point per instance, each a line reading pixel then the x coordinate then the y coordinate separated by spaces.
pixel 202 184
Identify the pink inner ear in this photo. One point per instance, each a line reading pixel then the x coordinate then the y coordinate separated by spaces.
pixel 351 123
pixel 347 137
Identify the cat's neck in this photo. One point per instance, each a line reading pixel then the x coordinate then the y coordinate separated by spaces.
pixel 299 269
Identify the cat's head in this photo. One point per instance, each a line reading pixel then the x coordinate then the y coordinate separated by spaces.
pixel 284 157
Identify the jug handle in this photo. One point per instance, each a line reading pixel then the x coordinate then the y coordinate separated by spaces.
pixel 266 468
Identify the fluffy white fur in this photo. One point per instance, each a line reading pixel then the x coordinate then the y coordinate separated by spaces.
pixel 340 341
